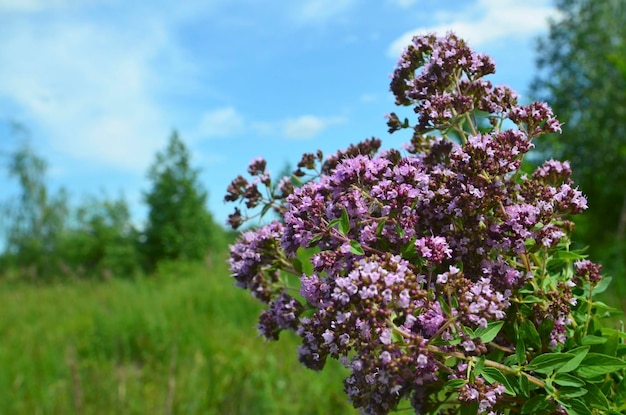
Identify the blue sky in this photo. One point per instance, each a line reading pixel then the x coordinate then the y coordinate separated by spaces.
pixel 101 84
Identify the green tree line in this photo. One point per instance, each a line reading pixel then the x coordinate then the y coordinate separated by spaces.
pixel 46 238
pixel 581 66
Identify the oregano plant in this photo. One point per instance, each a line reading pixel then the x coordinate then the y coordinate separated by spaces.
pixel 441 275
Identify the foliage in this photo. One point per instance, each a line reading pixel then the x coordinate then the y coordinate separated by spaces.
pixel 35 222
pixel 102 240
pixel 442 278
pixel 582 64
pixel 179 225
pixel 160 345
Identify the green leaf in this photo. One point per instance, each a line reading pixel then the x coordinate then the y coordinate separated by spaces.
pixel 610 347
pixel 568 255
pixel 524 386
pixel 609 332
pixel 454 384
pixel 356 248
pixel 487 334
pixel 570 392
pixel 532 299
pixel 493 375
pixel 595 398
pixel 545 328
pixel 469 332
pixel 344 223
pixel 602 285
pixel 469 409
pixel 621 350
pixel 579 354
pixel 620 390
pixel 297 265
pixel 535 404
pixel 565 379
pixel 379 227
pixel 520 351
pixel 576 407
pixel 588 340
pixel 316 238
pixel 265 209
pixel 599 305
pixel 478 368
pixel 596 364
pixel 333 223
pixel 303 256
pixel 400 231
pixel 531 333
pixel 549 362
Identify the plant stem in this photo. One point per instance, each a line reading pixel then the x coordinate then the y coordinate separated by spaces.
pixel 489 363
pixel 459 355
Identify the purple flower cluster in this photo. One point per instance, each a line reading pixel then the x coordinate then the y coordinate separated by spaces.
pixel 254 260
pixel 587 271
pixel 413 255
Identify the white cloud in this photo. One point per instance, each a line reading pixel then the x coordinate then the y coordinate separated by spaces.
pixel 307 126
pixel 90 87
pixel 485 22
pixel 296 128
pixel 220 122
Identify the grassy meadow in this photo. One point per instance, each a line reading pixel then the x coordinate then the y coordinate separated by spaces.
pixel 181 342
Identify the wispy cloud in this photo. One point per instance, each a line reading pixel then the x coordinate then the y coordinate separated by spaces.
pixel 485 22
pixel 221 122
pixel 90 86
pixel 296 128
pixel 307 126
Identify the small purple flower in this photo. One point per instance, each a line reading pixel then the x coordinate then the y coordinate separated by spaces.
pixel 588 271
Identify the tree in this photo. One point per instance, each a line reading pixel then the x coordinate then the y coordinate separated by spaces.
pixel 102 240
pixel 582 73
pixel 35 220
pixel 179 225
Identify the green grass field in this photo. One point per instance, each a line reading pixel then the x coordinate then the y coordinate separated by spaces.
pixel 181 342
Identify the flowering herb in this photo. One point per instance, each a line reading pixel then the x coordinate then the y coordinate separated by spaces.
pixel 441 276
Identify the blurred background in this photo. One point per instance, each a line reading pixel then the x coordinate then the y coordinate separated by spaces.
pixel 122 123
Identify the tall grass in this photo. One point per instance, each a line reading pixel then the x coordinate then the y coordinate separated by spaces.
pixel 181 342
